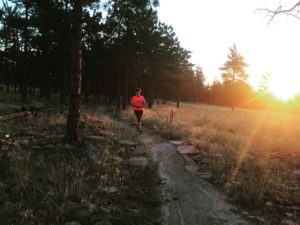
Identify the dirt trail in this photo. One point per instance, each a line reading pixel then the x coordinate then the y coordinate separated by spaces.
pixel 187 199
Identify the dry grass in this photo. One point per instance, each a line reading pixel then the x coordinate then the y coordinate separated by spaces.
pixel 53 183
pixel 250 154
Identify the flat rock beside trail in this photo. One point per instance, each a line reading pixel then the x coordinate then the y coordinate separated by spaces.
pixel 140 150
pixel 127 143
pixel 176 143
pixel 107 133
pixel 138 161
pixel 188 149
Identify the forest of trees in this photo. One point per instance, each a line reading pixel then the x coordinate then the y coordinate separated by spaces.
pixel 123 46
pixel 129 47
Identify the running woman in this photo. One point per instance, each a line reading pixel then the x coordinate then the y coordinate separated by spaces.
pixel 138 100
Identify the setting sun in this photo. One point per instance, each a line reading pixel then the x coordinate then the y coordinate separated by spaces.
pixel 284 87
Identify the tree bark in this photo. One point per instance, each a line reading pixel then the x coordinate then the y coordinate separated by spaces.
pixel 150 100
pixel 63 86
pixel 73 119
pixel 24 73
pixel 119 91
pixel 125 96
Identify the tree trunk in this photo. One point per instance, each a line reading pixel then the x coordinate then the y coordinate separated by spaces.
pixel 73 119
pixel 233 92
pixel 119 92
pixel 64 80
pixel 125 96
pixel 24 73
pixel 7 88
pixel 63 87
pixel 22 81
pixel 177 100
pixel 150 100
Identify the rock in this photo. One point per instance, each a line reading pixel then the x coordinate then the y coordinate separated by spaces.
pixel 176 143
pixel 204 175
pixel 287 222
pixel 140 150
pixel 138 161
pixel 260 219
pixel 188 149
pixel 8 209
pixel 296 172
pixel 234 210
pixel 72 223
pixel 23 142
pixel 269 204
pixel 107 133
pixel 4 147
pixel 122 152
pixel 191 168
pixel 245 213
pixel 205 161
pixel 295 208
pixel 117 159
pixel 217 155
pixel 110 190
pixel 36 147
pixel 127 143
pixel 103 223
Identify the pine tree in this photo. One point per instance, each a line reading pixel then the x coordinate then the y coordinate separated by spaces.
pixel 233 71
pixel 73 119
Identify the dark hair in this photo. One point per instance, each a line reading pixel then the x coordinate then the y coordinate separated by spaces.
pixel 138 89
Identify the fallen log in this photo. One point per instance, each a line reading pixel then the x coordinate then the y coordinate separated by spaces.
pixel 33 106
pixel 15 116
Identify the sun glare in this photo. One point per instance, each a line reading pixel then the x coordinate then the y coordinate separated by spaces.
pixel 284 88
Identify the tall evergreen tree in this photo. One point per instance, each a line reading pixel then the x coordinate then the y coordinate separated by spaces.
pixel 72 126
pixel 233 71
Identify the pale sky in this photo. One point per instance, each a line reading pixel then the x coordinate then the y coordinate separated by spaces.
pixel 209 27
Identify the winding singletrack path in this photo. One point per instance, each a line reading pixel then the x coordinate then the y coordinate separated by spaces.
pixel 186 198
pixel 189 200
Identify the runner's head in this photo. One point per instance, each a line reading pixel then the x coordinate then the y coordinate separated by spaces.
pixel 138 91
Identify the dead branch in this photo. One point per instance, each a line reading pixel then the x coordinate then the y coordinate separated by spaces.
pixel 292 11
pixel 15 116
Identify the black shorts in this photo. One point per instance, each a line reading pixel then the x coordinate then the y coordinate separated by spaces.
pixel 138 114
